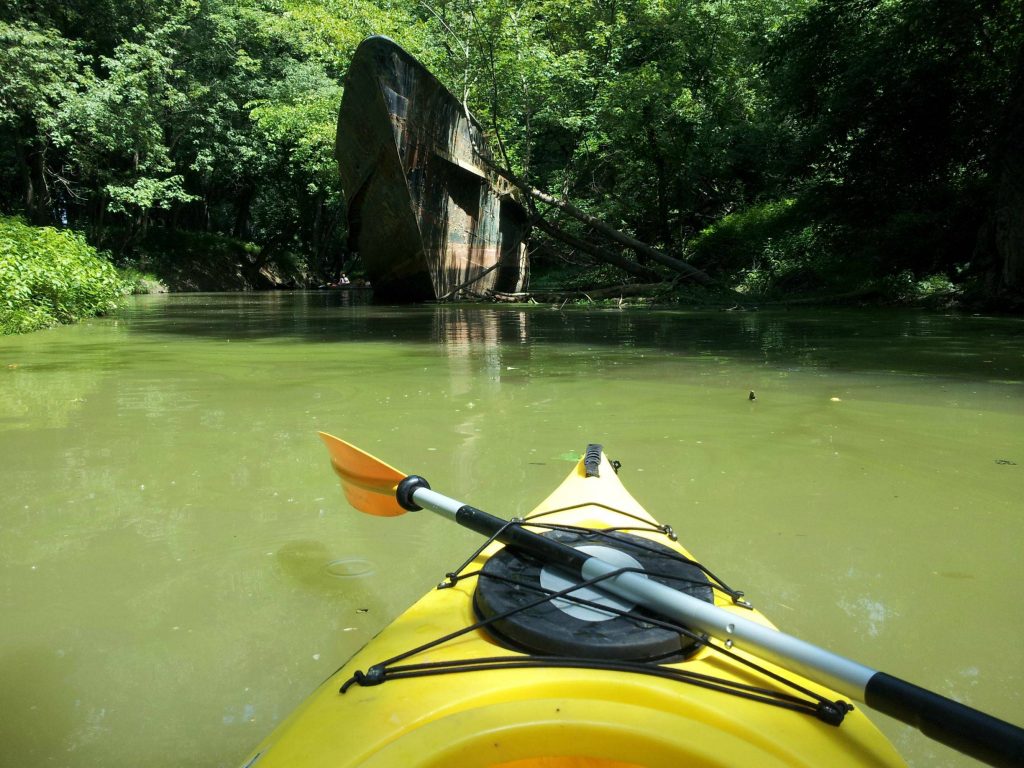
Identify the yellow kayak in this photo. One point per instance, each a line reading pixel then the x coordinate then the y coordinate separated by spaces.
pixel 510 664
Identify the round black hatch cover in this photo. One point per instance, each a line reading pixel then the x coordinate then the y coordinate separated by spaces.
pixel 559 627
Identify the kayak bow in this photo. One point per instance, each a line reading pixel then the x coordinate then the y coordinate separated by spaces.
pixel 624 670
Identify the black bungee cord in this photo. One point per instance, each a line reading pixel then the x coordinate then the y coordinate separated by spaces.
pixel 808 702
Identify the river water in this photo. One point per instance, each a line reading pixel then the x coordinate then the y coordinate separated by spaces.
pixel 178 569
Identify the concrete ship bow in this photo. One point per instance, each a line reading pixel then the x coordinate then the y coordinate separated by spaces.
pixel 428 217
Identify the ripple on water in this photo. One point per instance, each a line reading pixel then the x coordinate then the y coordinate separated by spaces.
pixel 350 568
pixel 313 565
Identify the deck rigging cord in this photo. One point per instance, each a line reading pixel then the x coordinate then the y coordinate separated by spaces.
pixel 797 698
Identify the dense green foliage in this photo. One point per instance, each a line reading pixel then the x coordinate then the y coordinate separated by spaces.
pixel 49 276
pixel 905 127
pixel 819 145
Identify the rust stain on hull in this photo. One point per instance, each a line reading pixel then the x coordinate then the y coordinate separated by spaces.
pixel 425 214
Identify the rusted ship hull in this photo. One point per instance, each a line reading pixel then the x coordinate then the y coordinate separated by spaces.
pixel 425 213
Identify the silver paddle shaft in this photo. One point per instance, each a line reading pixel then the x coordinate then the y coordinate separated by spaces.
pixel 830 669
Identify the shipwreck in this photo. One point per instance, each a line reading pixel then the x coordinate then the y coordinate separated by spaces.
pixel 426 213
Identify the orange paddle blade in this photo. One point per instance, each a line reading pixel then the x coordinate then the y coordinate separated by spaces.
pixel 368 482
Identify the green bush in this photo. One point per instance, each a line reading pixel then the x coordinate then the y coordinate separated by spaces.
pixel 740 240
pixel 50 276
pixel 905 287
pixel 783 247
pixel 138 282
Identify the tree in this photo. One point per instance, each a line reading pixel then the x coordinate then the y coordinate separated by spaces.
pixel 41 72
pixel 903 114
pixel 645 114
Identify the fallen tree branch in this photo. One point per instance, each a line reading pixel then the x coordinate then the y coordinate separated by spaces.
pixel 620 237
pixel 610 257
pixel 558 294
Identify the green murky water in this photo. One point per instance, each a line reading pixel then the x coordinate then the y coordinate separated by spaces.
pixel 178 569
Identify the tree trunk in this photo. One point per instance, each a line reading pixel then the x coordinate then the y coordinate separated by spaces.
pixel 97 220
pixel 243 208
pixel 1009 232
pixel 603 254
pixel 661 183
pixel 1006 222
pixel 36 198
pixel 620 237
pixel 614 292
pixel 41 211
pixel 28 189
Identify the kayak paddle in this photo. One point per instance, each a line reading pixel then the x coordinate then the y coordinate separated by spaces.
pixel 377 488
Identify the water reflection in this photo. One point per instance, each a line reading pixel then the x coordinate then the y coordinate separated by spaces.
pixel 908 342
pixel 40 396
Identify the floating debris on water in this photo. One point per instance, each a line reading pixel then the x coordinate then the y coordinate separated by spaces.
pixel 953 574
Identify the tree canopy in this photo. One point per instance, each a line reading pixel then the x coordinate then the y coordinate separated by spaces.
pixel 785 144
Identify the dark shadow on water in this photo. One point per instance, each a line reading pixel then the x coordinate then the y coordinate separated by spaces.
pixel 914 342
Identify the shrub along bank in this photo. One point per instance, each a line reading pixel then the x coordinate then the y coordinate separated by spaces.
pixel 50 276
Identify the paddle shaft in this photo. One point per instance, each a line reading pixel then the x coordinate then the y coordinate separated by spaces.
pixel 974 733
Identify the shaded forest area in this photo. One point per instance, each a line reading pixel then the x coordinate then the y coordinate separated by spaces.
pixel 783 147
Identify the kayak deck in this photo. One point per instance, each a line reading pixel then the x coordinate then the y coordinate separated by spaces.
pixel 471 701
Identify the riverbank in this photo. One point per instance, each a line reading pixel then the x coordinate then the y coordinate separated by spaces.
pixel 186 261
pixel 934 292
pixel 50 276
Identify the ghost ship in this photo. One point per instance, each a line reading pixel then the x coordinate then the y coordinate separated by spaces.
pixel 427 215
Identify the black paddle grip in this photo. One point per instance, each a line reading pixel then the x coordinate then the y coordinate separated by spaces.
pixel 956 725
pixel 517 537
pixel 407 486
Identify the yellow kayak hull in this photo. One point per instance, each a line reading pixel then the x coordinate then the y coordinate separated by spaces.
pixel 554 717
